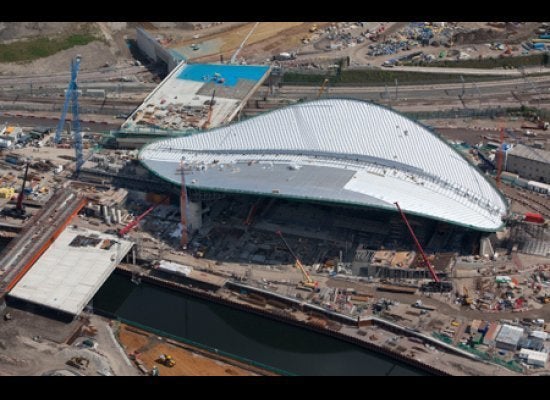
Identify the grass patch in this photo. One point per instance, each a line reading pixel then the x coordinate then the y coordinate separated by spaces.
pixel 380 77
pixel 32 49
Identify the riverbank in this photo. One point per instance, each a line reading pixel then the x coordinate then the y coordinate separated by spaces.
pixel 145 348
pixel 251 338
pixel 376 335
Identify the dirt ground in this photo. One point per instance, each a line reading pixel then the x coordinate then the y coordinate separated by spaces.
pixel 481 32
pixel 188 363
pixel 267 39
pixel 10 31
pixel 32 344
pixel 112 49
pixel 94 56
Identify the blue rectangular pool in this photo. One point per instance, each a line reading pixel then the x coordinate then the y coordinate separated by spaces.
pixel 227 75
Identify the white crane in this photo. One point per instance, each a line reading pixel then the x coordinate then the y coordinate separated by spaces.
pixel 234 56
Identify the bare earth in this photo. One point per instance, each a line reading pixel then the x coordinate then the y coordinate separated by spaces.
pixel 188 363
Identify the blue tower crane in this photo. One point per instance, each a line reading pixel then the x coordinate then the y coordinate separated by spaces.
pixel 72 95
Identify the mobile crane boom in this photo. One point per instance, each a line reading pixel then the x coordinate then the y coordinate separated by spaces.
pixel 322 89
pixel 418 246
pixel 307 282
pixel 136 221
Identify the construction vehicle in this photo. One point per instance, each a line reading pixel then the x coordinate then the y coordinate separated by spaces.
pixel 542 125
pixel 307 283
pixel 19 211
pixel 136 221
pixel 322 89
pixel 206 125
pixel 166 360
pixel 437 285
pixel 78 362
pixel 466 299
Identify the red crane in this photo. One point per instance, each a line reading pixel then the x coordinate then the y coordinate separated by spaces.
pixel 136 221
pixel 418 246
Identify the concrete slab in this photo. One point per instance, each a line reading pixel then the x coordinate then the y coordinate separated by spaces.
pixel 71 271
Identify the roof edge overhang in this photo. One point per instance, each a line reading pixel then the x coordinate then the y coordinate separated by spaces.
pixel 319 200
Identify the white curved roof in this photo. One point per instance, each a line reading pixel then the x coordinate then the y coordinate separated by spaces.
pixel 336 150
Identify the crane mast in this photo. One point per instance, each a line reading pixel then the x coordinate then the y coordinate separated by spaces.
pixel 19 206
pixel 183 209
pixel 499 157
pixel 72 96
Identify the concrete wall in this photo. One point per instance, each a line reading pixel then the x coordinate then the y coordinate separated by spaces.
pixel 383 271
pixel 528 169
pixel 149 46
pixel 146 44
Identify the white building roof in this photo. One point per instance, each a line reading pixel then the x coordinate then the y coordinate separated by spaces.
pixel 510 334
pixel 534 357
pixel 335 150
pixel 65 278
pixel 174 268
pixel 530 153
pixel 539 334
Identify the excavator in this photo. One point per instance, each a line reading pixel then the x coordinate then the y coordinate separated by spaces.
pixel 78 362
pixel 307 283
pixel 166 360
pixel 466 299
pixel 19 210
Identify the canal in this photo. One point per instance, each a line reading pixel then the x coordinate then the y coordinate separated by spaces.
pixel 285 347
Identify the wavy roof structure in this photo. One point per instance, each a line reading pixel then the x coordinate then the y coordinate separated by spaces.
pixel 339 151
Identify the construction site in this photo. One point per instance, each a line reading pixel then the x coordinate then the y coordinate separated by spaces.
pixel 425 240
